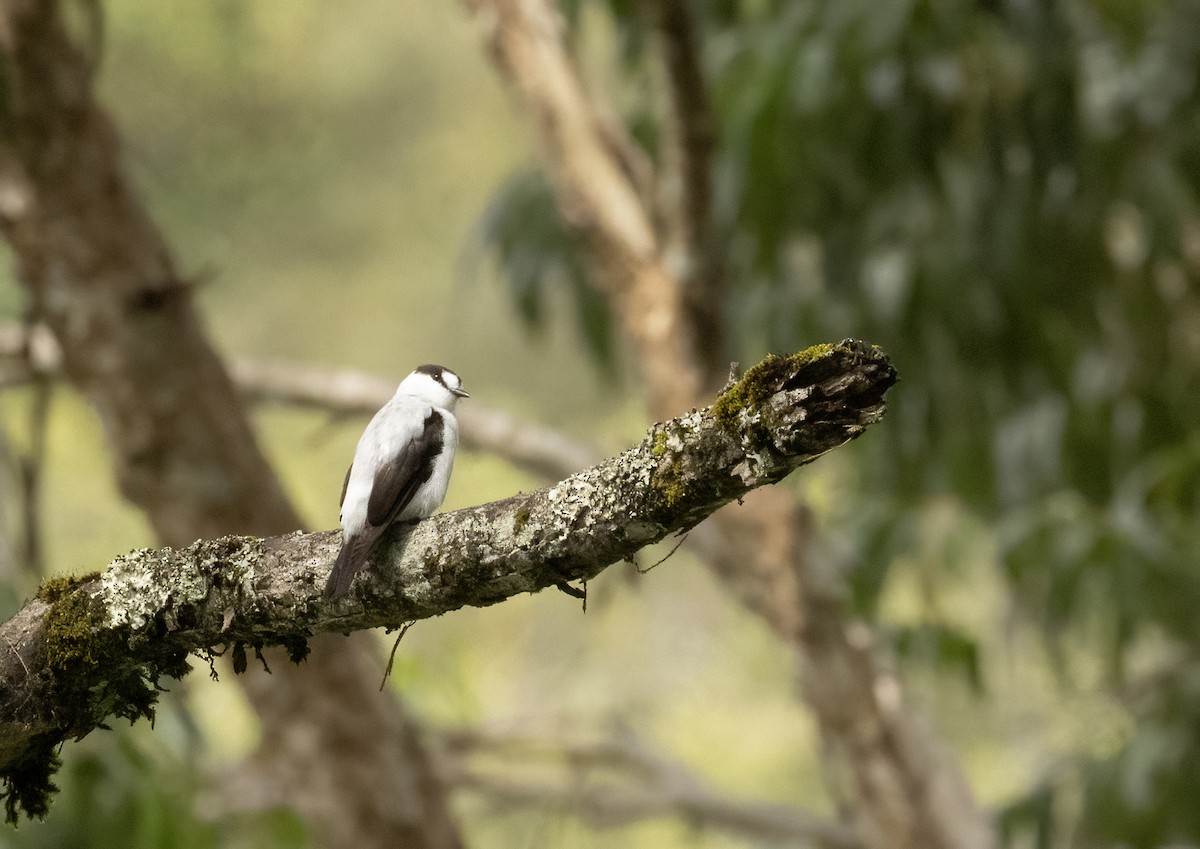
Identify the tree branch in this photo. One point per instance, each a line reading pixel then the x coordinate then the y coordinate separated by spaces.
pixel 28 353
pixel 539 450
pixel 86 649
pixel 647 785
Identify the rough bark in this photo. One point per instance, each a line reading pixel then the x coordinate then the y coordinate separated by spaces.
pixel 86 649
pixel 101 276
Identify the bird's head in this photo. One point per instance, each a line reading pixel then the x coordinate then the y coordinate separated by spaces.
pixel 435 384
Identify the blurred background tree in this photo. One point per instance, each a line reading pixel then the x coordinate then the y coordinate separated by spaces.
pixel 1001 194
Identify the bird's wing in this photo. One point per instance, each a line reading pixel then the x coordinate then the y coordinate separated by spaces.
pixel 345 485
pixel 399 478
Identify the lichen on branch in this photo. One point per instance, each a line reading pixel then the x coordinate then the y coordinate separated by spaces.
pixel 88 648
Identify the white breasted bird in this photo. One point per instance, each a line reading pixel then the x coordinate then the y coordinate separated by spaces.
pixel 401 467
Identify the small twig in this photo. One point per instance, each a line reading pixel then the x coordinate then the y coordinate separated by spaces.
pixel 29 358
pixel 211 655
pixel 9 558
pixel 564 587
pixel 392 657
pixel 670 553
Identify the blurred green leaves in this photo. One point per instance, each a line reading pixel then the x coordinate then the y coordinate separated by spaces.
pixel 537 255
pixel 941 647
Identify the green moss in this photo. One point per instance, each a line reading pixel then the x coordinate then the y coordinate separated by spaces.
pixel 763 381
pixel 92 673
pixel 812 353
pixel 89 673
pixel 666 484
pixel 52 589
pixel 71 643
pixel 27 785
pixel 74 658
pixel 670 486
pixel 520 520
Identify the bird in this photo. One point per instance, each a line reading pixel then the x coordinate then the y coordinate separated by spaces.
pixel 401 467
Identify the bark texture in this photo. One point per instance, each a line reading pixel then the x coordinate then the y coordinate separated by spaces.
pixel 101 276
pixel 88 648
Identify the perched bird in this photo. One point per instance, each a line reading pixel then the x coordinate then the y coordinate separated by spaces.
pixel 401 467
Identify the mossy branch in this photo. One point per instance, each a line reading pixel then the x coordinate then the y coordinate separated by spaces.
pixel 88 648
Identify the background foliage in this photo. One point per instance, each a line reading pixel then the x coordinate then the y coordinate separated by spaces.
pixel 1003 195
pixel 1000 193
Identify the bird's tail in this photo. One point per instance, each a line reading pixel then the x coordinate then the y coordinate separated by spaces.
pixel 349 561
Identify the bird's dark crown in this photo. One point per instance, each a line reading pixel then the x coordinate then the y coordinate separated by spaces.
pixel 437 372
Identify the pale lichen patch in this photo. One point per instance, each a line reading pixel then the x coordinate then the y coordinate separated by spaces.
pixel 417 587
pixel 140 586
pixel 131 589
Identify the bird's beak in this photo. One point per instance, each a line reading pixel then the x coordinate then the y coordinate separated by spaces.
pixel 461 393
